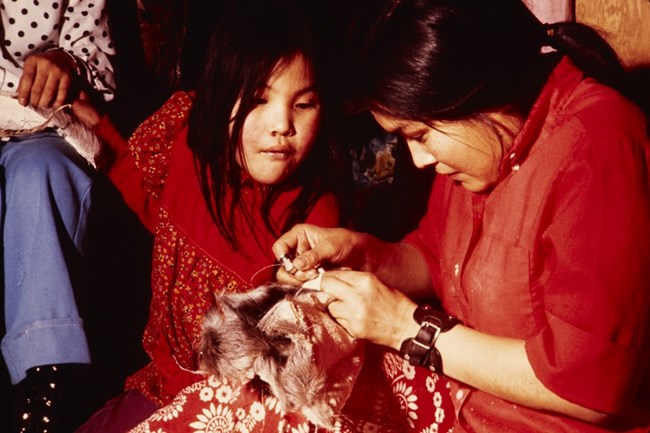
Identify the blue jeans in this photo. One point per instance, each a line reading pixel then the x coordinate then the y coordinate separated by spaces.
pixel 45 191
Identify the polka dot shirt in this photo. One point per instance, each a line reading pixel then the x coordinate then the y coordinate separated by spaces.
pixel 80 27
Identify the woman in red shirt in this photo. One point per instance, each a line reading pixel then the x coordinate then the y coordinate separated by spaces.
pixel 535 242
pixel 216 175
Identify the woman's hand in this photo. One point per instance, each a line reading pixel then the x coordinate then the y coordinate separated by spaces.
pixel 398 264
pixel 312 247
pixel 47 80
pixel 368 309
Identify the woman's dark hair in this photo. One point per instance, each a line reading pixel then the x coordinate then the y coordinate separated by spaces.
pixel 250 40
pixel 453 59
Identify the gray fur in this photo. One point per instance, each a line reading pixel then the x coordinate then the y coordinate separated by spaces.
pixel 254 334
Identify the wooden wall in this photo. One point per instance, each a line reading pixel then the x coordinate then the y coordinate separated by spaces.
pixel 624 23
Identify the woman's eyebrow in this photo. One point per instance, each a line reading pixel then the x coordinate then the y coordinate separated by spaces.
pixel 405 131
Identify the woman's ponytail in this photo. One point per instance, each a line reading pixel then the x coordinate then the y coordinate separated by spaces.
pixel 589 51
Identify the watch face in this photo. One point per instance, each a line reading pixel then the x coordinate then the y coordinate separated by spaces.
pixel 426 313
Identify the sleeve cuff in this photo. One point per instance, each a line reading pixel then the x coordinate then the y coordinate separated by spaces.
pixel 585 369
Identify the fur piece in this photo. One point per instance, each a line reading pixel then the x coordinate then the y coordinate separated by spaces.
pixel 231 340
pixel 16 118
pixel 285 336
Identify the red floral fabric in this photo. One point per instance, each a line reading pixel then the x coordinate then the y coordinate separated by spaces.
pixel 390 396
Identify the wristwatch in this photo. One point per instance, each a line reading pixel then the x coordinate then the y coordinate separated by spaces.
pixel 420 350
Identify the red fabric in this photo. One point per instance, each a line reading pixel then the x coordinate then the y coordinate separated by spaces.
pixel 191 260
pixel 556 254
pixel 119 414
pixel 390 396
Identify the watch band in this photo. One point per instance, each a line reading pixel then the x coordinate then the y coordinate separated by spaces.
pixel 420 350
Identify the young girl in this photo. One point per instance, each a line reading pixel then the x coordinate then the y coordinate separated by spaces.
pixel 216 175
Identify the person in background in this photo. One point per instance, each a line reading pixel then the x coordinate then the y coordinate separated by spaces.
pixel 217 174
pixel 50 52
pixel 535 241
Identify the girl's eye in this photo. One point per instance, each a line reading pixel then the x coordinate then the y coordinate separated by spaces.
pixel 305 105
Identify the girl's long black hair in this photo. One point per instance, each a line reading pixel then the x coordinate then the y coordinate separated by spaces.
pixel 249 41
pixel 453 59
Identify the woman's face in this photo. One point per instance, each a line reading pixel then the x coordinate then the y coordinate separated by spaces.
pixel 282 128
pixel 470 152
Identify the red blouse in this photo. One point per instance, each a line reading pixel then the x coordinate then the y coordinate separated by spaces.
pixel 557 254
pixel 191 260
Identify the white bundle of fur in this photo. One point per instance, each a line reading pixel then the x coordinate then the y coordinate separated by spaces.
pixel 284 336
pixel 17 120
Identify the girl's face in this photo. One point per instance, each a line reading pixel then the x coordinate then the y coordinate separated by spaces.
pixel 470 152
pixel 281 130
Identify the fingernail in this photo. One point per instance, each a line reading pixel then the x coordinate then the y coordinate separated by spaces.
pixel 22 101
pixel 311 274
pixel 300 262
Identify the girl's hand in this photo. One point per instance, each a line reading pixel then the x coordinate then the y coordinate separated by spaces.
pixel 85 111
pixel 368 309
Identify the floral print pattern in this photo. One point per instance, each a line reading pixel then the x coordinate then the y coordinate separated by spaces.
pixel 390 396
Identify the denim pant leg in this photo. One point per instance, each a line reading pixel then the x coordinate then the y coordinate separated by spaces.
pixel 45 201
